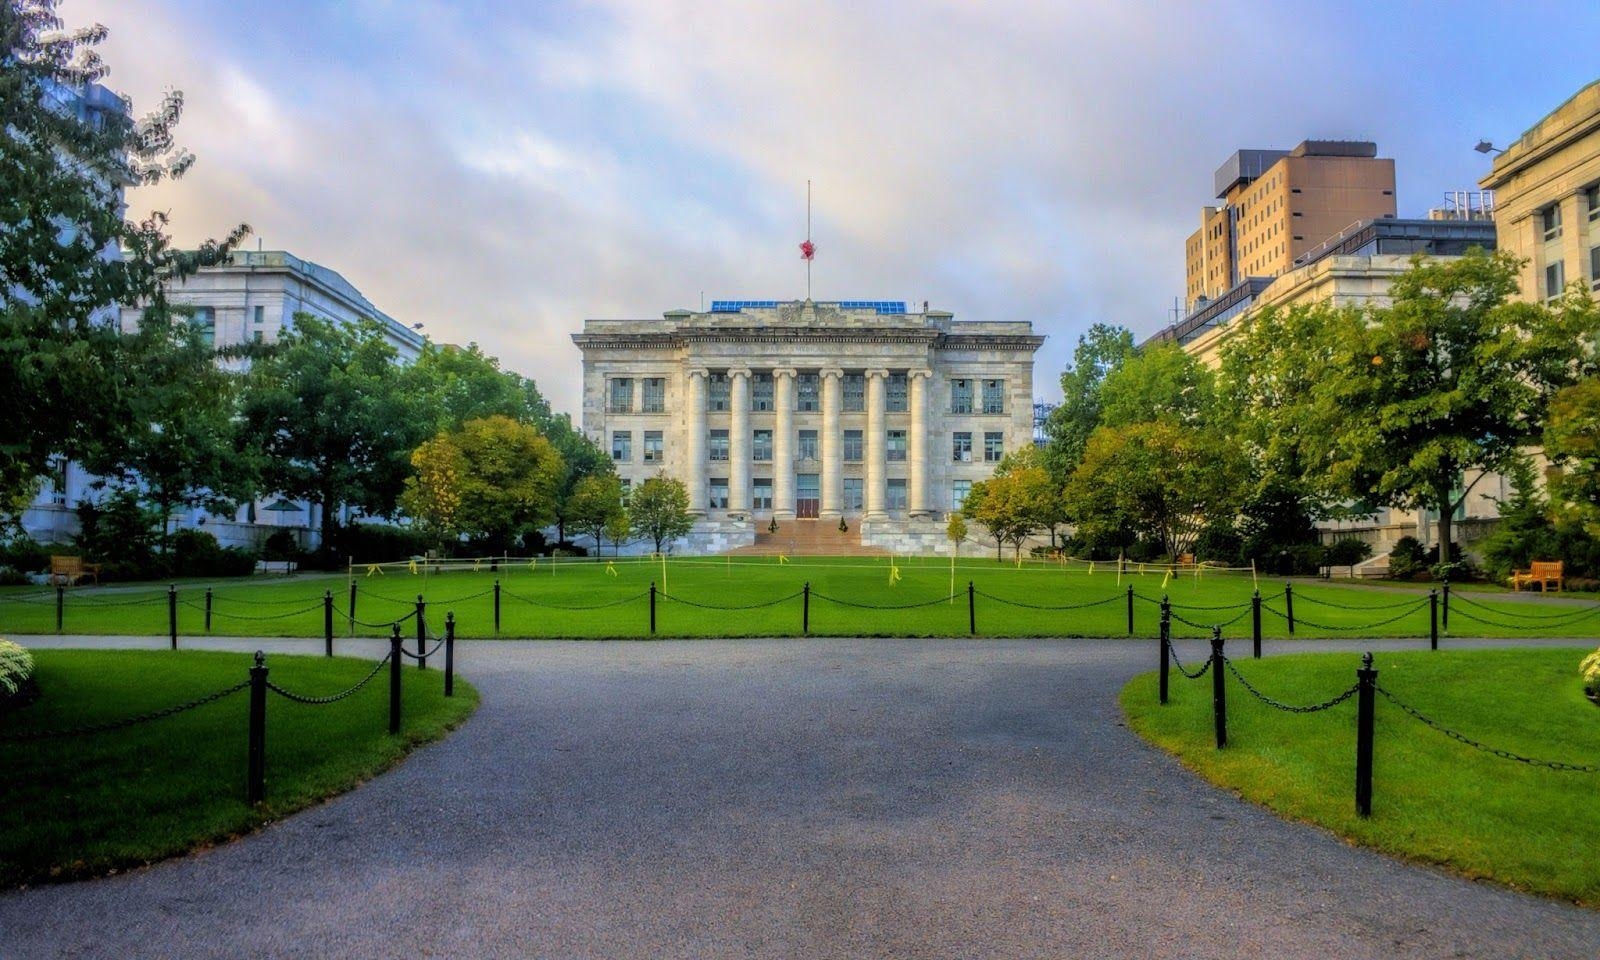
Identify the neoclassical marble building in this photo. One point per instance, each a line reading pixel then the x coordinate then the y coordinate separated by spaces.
pixel 802 410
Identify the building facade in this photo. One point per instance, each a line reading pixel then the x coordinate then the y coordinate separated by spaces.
pixel 252 297
pixel 1547 195
pixel 1278 204
pixel 805 411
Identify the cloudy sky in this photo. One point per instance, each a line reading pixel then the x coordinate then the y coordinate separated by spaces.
pixel 500 170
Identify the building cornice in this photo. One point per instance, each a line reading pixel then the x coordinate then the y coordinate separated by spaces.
pixel 666 340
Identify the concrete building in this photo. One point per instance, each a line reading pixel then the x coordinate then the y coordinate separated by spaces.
pixel 253 297
pixel 1547 191
pixel 1278 204
pixel 806 413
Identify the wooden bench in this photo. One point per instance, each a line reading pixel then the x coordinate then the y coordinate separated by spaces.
pixel 1542 572
pixel 69 570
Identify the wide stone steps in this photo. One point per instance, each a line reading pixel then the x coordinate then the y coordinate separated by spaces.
pixel 809 538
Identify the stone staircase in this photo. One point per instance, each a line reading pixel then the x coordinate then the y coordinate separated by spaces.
pixel 808 538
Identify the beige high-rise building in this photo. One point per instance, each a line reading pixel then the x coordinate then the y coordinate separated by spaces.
pixel 1547 197
pixel 1277 205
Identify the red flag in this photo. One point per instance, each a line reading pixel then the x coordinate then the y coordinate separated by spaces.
pixel 808 250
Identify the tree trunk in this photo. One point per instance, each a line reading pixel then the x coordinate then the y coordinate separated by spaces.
pixel 1446 519
pixel 329 509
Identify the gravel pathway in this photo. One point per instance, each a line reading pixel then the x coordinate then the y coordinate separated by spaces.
pixel 789 798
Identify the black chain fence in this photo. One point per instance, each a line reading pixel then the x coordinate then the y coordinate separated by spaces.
pixel 882 606
pixel 1302 621
pixel 32 735
pixel 1459 737
pixel 635 598
pixel 334 698
pixel 1172 652
pixel 1050 606
pixel 1328 704
pixel 663 595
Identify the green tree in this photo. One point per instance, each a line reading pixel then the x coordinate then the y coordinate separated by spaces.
pixel 183 453
pixel 581 458
pixel 1572 441
pixel 510 474
pixel 327 409
pixel 1102 349
pixel 1159 480
pixel 432 494
pixel 1450 381
pixel 1019 499
pixel 595 505
pixel 660 510
pixel 1159 382
pixel 619 530
pixel 62 170
pixel 458 384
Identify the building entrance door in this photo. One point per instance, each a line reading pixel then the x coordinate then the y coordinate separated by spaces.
pixel 808 496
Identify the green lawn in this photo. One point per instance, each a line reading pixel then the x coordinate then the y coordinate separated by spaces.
pixel 538 602
pixel 1434 799
pixel 83 805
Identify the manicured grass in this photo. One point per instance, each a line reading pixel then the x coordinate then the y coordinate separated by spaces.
pixel 80 806
pixel 533 600
pixel 1434 799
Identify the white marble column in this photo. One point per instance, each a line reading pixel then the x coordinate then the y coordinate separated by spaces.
pixel 917 407
pixel 832 454
pixel 783 443
pixel 739 442
pixel 877 445
pixel 694 472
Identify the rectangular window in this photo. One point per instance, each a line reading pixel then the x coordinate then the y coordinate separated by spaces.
pixel 855 392
pixel 718 392
pixel 958 493
pixel 895 495
pixel 655 395
pixel 1591 202
pixel 853 446
pixel 261 315
pixel 58 481
pixel 761 446
pixel 761 493
pixel 854 494
pixel 717 445
pixel 994 396
pixel 621 397
pixel 717 493
pixel 1550 219
pixel 258 336
pixel 627 488
pixel 895 395
pixel 622 445
pixel 1594 268
pixel 961 396
pixel 808 396
pixel 896 445
pixel 653 450
pixel 1554 279
pixel 205 320
pixel 961 446
pixel 994 446
pixel 807 448
pixel 761 391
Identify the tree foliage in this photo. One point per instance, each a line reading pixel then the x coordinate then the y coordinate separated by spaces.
pixel 1018 500
pixel 660 510
pixel 505 472
pixel 1159 382
pixel 1102 349
pixel 1572 441
pixel 595 505
pixel 432 494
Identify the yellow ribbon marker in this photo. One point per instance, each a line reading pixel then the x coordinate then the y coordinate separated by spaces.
pixel 782 559
pixel 477 565
pixel 374 568
pixel 533 562
pixel 1091 568
pixel 1166 578
pixel 894 574
pixel 611 571
pixel 1253 577
pixel 412 566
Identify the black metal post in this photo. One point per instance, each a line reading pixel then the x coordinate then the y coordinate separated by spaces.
pixel 327 622
pixel 805 608
pixel 1166 647
pixel 1288 605
pixel 208 610
pixel 1130 609
pixel 61 605
pixel 395 646
pixel 352 608
pixel 1219 691
pixel 1255 622
pixel 422 633
pixel 1445 619
pixel 497 608
pixel 1433 619
pixel 172 614
pixel 972 609
pixel 256 774
pixel 1366 683
pixel 652 607
pixel 450 653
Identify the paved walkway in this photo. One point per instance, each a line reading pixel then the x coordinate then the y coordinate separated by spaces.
pixel 789 798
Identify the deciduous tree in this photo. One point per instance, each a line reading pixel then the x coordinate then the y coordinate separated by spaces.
pixel 595 504
pixel 660 510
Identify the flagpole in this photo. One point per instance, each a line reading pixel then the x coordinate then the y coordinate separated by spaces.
pixel 808 238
